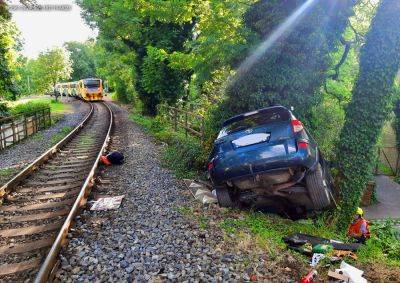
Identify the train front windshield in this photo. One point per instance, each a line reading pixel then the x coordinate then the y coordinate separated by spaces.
pixel 92 83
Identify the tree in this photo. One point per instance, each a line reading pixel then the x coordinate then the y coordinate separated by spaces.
pixel 83 59
pixel 292 71
pixel 9 45
pixel 51 67
pixel 370 105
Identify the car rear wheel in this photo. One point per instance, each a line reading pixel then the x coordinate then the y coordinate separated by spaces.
pixel 317 187
pixel 224 196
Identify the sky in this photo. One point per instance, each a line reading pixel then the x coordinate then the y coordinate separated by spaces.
pixel 45 29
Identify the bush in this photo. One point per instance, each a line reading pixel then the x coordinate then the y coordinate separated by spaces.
pixel 184 155
pixel 383 245
pixel 4 110
pixel 29 107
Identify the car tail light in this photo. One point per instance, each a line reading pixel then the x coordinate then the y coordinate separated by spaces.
pixel 297 126
pixel 302 144
pixel 210 165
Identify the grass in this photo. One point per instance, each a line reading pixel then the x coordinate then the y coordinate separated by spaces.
pixel 6 174
pixel 31 104
pixel 64 131
pixel 185 156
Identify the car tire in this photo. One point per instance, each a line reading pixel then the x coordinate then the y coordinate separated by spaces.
pixel 224 197
pixel 317 188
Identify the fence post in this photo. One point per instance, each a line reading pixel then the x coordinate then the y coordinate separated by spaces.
pixel 186 124
pixel 49 115
pixel 175 119
pixel 1 138
pixel 26 126
pixel 44 119
pixel 36 122
pixel 377 162
pixel 13 130
pixel 202 129
pixel 397 162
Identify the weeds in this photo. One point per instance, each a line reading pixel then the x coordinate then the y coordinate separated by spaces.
pixel 6 174
pixel 185 156
pixel 61 134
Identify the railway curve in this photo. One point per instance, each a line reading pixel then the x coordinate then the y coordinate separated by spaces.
pixel 40 203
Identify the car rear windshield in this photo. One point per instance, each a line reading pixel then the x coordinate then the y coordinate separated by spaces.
pixel 92 83
pixel 259 118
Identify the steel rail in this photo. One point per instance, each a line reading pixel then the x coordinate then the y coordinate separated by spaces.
pixel 6 188
pixel 51 258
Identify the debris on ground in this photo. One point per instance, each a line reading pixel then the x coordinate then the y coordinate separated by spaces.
pixel 201 191
pixel 354 274
pixel 316 257
pixel 310 277
pixel 338 276
pixel 299 239
pixel 107 203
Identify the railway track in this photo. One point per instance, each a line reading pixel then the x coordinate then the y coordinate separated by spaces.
pixel 40 203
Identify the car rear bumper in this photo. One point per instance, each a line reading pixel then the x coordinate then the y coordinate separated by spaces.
pixel 276 170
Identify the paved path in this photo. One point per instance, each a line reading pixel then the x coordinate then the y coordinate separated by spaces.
pixel 388 194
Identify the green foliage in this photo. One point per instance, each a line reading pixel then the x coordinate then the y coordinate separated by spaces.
pixel 82 56
pixel 184 155
pixel 29 107
pixel 369 107
pixel 9 46
pixel 384 244
pixel 159 82
pixel 325 125
pixel 63 132
pixel 40 75
pixel 291 72
pixel 115 63
pixel 4 110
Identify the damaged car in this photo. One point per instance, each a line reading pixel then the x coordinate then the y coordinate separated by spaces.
pixel 268 157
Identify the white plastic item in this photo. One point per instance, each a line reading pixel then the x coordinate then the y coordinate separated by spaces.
pixel 354 274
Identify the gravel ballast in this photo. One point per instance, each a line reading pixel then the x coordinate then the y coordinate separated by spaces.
pixel 155 234
pixel 26 151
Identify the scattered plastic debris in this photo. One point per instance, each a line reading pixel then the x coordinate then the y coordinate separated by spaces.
pixel 107 203
pixel 310 277
pixel 338 276
pixel 205 196
pixel 201 191
pixel 354 274
pixel 316 258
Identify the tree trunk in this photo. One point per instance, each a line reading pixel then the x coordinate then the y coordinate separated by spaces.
pixel 369 107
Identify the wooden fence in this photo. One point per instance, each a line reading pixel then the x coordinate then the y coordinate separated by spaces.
pixel 191 123
pixel 388 161
pixel 16 128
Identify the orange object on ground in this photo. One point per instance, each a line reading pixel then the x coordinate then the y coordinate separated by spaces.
pixel 355 229
pixel 105 160
pixel 309 278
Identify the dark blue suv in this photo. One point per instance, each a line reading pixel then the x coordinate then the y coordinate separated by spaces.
pixel 267 156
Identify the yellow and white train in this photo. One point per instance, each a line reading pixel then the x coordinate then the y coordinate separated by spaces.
pixel 90 89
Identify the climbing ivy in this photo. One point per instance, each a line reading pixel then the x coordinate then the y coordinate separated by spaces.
pixel 291 72
pixel 369 107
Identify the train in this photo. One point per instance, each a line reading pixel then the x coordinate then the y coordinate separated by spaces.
pixel 90 89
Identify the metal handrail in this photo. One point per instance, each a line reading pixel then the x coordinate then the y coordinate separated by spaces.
pixel 48 264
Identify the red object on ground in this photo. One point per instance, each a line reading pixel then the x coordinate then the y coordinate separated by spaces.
pixel 253 278
pixel 309 278
pixel 355 228
pixel 104 160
